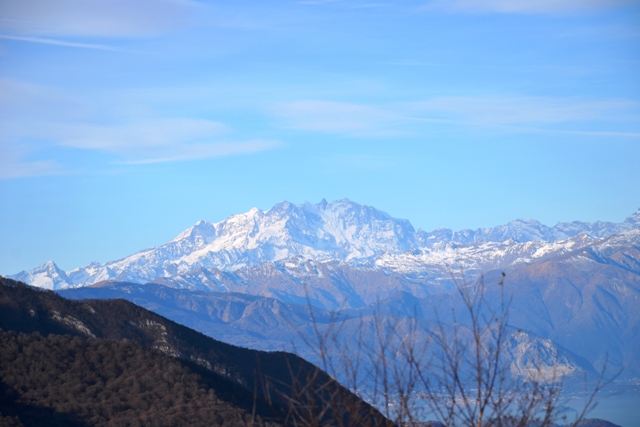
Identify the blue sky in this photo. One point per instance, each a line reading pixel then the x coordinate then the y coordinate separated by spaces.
pixel 124 122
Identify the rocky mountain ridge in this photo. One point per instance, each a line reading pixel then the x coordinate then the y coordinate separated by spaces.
pixel 270 324
pixel 337 233
pixel 577 311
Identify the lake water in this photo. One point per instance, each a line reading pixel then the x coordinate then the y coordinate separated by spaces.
pixel 622 409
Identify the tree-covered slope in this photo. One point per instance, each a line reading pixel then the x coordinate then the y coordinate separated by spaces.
pixel 79 359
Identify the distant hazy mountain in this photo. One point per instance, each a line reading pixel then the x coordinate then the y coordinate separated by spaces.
pixel 580 306
pixel 576 284
pixel 301 243
pixel 586 300
pixel 270 324
pixel 527 230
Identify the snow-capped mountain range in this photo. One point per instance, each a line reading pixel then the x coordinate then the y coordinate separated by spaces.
pixel 329 234
pixel 572 285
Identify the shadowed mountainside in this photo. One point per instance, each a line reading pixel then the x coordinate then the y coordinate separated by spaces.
pixel 90 348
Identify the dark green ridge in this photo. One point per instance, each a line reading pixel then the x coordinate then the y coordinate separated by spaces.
pixel 121 330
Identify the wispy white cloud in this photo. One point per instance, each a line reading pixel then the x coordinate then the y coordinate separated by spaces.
pixel 59 42
pixel 15 162
pixel 359 163
pixel 617 31
pixel 158 140
pixel 521 110
pixel 318 2
pixel 151 141
pixel 81 18
pixel 604 134
pixel 139 136
pixel 36 119
pixel 521 114
pixel 338 117
pixel 344 4
pixel 369 5
pixel 24 169
pixel 414 64
pixel 203 151
pixel 524 6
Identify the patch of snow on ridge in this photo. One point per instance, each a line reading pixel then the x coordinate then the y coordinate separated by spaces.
pixel 477 257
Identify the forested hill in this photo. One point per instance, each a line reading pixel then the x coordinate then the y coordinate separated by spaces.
pixel 104 363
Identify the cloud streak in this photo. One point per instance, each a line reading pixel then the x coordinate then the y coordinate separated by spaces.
pixel 140 136
pixel 25 169
pixel 35 119
pixel 59 42
pixel 15 163
pixel 520 110
pixel 204 151
pixel 518 113
pixel 80 18
pixel 337 117
pixel 524 6
pixel 159 140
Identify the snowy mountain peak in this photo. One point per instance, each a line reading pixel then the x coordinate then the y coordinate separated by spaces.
pixel 633 219
pixel 202 229
pixel 520 230
pixel 254 212
pixel 339 231
pixel 526 230
pixel 49 265
pixel 327 230
pixel 47 276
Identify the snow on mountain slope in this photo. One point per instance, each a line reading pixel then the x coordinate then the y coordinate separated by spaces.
pixel 47 276
pixel 340 230
pixel 586 300
pixel 527 230
pixel 472 259
pixel 329 232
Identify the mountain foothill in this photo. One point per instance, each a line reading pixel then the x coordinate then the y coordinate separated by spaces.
pixel 112 363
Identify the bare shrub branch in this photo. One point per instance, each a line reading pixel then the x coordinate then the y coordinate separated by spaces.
pixel 412 370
